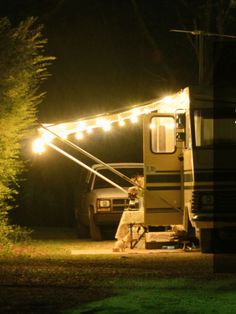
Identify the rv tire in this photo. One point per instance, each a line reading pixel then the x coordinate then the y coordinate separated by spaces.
pixel 206 240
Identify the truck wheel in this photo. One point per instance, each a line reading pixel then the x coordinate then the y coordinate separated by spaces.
pixel 95 232
pixel 82 231
pixel 206 240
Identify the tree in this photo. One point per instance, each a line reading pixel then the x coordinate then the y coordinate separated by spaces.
pixel 23 67
pixel 182 62
pixel 209 22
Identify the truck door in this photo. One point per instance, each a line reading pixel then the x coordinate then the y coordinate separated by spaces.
pixel 162 171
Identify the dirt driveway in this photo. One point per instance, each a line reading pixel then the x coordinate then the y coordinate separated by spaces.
pixel 57 272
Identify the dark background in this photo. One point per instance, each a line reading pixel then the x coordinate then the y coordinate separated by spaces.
pixel 110 54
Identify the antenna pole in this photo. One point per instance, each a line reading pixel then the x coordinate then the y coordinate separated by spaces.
pixel 202 48
pixel 201 58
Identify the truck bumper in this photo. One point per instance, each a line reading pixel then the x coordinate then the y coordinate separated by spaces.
pixel 103 219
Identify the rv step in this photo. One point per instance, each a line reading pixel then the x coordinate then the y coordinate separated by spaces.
pixel 154 245
pixel 161 240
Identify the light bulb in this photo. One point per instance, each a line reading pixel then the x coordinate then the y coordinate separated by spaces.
pixel 38 146
pixel 121 122
pixel 134 119
pixel 79 135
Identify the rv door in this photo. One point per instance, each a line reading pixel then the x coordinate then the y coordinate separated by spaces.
pixel 162 171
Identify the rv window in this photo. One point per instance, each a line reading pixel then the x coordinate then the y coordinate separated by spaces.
pixel 162 134
pixel 218 130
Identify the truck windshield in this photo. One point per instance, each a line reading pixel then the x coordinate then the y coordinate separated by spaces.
pixel 130 172
pixel 215 128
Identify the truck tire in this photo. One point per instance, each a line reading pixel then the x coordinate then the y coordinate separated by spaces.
pixel 82 231
pixel 95 231
pixel 206 240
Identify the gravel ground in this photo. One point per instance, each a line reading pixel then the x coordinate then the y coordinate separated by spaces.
pixel 51 280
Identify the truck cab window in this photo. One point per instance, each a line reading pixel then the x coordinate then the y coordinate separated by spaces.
pixel 162 134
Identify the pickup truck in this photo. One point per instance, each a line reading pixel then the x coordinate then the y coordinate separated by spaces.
pixel 100 205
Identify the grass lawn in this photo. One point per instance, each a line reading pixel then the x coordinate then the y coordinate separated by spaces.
pixel 166 296
pixel 44 277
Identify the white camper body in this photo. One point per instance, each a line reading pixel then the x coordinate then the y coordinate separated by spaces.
pixel 189 165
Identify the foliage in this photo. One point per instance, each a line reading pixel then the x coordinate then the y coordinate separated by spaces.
pixel 19 234
pixel 22 67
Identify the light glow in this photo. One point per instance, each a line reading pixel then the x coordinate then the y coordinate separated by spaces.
pixel 47 136
pixel 146 111
pixel 99 122
pixel 81 125
pixel 135 113
pixel 134 119
pixel 168 100
pixel 106 126
pixel 62 132
pixel 121 122
pixel 89 130
pixel 38 146
pixel 79 135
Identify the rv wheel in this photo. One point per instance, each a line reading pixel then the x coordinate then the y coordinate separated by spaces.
pixel 206 240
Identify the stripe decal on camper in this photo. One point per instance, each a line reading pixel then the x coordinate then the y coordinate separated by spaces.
pixel 162 188
pixel 199 176
pixel 204 179
pixel 163 178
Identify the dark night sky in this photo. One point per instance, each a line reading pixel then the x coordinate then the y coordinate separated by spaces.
pixel 110 53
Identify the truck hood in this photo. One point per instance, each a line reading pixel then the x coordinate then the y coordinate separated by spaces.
pixel 109 193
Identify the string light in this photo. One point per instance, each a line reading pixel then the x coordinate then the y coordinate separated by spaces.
pixel 89 130
pixel 38 146
pixel 106 126
pixel 79 135
pixel 82 125
pixel 134 119
pixel 146 111
pixel 167 100
pixel 169 104
pixel 99 122
pixel 121 122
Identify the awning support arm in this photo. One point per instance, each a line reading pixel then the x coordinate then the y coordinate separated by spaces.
pixel 97 160
pixel 86 167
